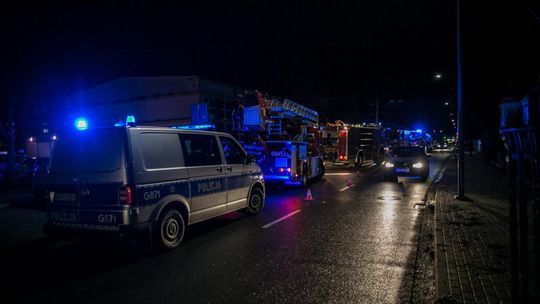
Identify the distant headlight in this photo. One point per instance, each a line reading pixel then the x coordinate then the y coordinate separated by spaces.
pixel 389 165
pixel 417 165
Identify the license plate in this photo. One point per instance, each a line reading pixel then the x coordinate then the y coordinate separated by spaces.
pixel 403 170
pixel 65 197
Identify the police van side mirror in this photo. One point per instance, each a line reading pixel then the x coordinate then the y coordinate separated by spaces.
pixel 250 159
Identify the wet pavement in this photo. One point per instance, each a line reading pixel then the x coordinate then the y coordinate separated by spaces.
pixel 355 242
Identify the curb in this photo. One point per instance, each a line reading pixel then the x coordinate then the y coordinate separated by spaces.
pixel 425 234
pixel 432 193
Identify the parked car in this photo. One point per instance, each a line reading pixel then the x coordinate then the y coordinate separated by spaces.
pixel 407 161
pixel 24 166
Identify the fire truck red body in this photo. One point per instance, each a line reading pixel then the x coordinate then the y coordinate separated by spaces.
pixel 352 144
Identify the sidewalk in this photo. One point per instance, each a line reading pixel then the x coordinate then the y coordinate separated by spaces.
pixel 472 238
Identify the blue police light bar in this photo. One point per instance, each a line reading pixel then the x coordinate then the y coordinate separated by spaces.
pixel 81 123
pixel 130 120
pixel 196 127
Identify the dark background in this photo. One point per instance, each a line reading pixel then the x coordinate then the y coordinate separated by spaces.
pixel 338 58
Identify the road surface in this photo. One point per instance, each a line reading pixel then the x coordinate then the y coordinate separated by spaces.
pixel 354 242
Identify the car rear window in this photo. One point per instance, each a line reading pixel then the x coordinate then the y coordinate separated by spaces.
pixel 92 150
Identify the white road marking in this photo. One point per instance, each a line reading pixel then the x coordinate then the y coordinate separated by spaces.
pixel 343 189
pixel 338 173
pixel 281 219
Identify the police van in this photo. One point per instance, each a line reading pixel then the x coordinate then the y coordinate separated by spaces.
pixel 133 179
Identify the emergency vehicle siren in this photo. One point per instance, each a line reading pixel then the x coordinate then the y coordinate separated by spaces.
pixel 81 123
pixel 308 195
pixel 130 120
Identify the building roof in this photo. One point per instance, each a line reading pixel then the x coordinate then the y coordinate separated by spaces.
pixel 130 88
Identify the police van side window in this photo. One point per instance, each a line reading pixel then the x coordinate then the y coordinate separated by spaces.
pixel 200 150
pixel 233 153
pixel 161 150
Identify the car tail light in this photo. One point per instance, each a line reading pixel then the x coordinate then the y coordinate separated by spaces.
pixel 280 169
pixel 125 195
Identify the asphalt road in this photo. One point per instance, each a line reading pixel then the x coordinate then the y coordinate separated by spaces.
pixel 351 244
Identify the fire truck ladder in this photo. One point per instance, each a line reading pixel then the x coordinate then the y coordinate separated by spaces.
pixel 289 109
pixel 282 109
pixel 274 127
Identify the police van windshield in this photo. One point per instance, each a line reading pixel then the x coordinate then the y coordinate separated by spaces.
pixel 92 150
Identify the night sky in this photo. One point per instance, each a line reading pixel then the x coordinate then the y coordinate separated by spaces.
pixel 337 57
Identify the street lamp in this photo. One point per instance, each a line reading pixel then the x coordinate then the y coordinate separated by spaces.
pixel 446 103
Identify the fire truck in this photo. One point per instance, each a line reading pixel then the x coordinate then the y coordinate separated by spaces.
pixel 418 138
pixel 353 144
pixel 282 134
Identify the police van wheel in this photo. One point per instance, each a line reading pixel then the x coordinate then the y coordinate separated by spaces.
pixel 170 229
pixel 255 202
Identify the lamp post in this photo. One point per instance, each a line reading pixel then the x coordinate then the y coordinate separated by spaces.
pixel 461 165
pixel 461 160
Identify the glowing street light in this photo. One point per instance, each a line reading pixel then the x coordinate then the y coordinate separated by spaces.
pixel 438 75
pixel 446 103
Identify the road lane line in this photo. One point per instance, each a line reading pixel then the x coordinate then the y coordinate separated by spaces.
pixel 281 219
pixel 343 189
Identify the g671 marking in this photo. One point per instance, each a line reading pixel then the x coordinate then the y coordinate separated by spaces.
pixel 151 195
pixel 106 218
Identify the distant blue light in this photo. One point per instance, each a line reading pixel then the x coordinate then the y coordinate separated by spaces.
pixel 196 127
pixel 81 123
pixel 276 177
pixel 419 130
pixel 130 120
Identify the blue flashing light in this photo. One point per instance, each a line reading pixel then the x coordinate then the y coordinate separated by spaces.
pixel 276 177
pixel 81 123
pixel 119 124
pixel 419 130
pixel 197 127
pixel 130 120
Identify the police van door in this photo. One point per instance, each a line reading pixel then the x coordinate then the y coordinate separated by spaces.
pixel 207 182
pixel 238 176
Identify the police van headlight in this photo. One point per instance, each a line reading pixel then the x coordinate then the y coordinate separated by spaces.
pixel 418 165
pixel 389 165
